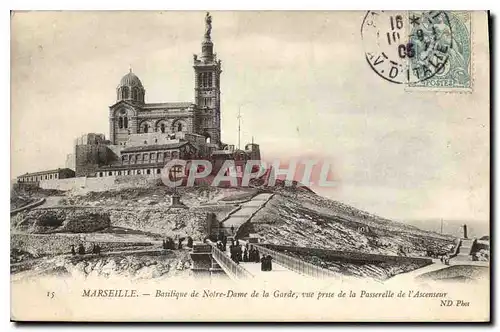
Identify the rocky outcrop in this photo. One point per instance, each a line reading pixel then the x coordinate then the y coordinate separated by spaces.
pixel 307 221
pixel 64 220
pixel 133 267
pixel 169 223
pixel 41 221
pixel 85 222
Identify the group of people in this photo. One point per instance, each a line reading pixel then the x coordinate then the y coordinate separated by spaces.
pixel 247 253
pixel 96 249
pixel 244 253
pixel 445 259
pixel 222 242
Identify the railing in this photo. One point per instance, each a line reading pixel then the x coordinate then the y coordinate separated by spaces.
pixel 296 265
pixel 232 269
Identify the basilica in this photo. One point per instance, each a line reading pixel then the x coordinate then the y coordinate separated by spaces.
pixel 143 136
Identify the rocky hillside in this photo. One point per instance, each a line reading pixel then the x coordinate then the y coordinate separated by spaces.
pixel 143 209
pixel 304 219
pixel 63 221
pixel 124 220
pixel 172 263
pixel 120 221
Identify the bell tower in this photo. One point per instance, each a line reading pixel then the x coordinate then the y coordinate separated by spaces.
pixel 207 70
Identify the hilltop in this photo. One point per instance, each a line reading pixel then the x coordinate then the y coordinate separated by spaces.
pixel 130 219
pixel 303 218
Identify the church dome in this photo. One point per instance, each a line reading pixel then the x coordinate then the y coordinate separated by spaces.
pixel 131 80
pixel 130 88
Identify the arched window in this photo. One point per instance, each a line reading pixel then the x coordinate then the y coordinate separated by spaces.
pixel 120 122
pixel 207 139
pixel 162 128
pixel 205 79
pixel 125 92
pixel 134 93
pixel 179 126
pixel 145 128
pixel 125 122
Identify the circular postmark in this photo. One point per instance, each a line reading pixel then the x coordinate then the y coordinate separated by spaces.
pixel 406 47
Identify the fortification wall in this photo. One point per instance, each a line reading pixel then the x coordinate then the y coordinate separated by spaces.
pixel 101 183
pixel 63 184
pixel 89 157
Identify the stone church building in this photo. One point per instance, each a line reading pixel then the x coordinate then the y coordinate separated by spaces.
pixel 143 136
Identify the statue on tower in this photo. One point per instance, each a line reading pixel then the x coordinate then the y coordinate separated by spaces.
pixel 208 25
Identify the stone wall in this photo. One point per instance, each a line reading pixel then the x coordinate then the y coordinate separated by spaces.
pixel 63 184
pixel 101 183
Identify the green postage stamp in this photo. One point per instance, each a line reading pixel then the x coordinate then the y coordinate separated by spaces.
pixel 456 73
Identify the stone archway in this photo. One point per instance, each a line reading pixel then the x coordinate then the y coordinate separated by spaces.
pixel 179 125
pixel 208 138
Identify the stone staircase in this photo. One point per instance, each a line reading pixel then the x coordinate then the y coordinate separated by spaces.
pixel 465 250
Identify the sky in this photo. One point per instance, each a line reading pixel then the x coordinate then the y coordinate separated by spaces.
pixel 300 80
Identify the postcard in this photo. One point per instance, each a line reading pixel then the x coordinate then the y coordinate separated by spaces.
pixel 250 166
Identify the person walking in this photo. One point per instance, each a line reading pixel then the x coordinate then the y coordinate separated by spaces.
pixel 257 256
pixel 269 263
pixel 245 255
pixel 81 249
pixel 263 263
